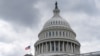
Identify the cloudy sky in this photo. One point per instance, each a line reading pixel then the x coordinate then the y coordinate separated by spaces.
pixel 22 20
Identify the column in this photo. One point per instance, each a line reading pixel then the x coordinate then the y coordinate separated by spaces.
pixel 71 47
pixel 35 50
pixel 46 47
pixel 74 48
pixel 59 46
pixel 78 49
pixel 42 48
pixel 39 49
pixel 54 46
pixel 50 47
pixel 68 47
pixel 63 46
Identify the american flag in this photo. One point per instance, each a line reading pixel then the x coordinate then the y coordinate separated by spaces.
pixel 28 47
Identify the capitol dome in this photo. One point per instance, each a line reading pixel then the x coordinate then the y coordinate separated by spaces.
pixel 56 20
pixel 56 37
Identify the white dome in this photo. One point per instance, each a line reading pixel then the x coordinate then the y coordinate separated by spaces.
pixel 56 20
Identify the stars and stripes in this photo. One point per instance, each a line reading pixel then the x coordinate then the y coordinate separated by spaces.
pixel 28 47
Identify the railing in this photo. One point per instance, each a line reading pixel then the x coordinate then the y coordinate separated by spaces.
pixel 84 54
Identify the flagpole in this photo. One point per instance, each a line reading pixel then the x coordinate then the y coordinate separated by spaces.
pixel 30 45
pixel 30 50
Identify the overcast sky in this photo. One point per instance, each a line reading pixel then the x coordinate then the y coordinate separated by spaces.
pixel 22 20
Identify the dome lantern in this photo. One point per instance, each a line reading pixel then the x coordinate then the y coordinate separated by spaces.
pixel 56 10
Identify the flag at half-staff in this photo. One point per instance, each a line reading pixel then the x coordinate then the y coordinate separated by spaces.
pixel 28 47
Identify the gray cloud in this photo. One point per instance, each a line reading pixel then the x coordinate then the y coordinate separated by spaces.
pixel 21 12
pixel 77 6
pixel 85 6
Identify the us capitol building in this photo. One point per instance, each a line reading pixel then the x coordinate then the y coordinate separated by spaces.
pixel 56 37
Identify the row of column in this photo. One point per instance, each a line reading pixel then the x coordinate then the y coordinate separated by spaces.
pixel 57 46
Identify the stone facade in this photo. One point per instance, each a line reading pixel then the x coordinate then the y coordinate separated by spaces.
pixel 56 37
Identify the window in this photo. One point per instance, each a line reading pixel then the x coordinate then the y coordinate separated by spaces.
pixel 63 33
pixel 56 22
pixel 69 34
pixel 46 34
pixel 51 22
pixel 56 33
pixel 49 34
pixel 52 33
pixel 60 33
pixel 66 34
pixel 59 22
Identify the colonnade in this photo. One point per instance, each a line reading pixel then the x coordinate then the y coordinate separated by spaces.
pixel 57 46
pixel 57 34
